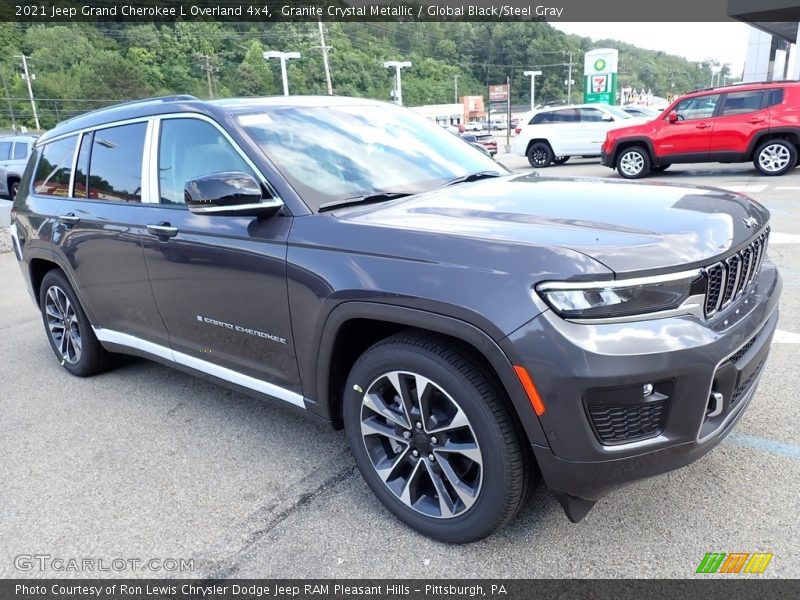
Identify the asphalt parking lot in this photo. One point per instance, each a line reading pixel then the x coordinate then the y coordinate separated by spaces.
pixel 146 462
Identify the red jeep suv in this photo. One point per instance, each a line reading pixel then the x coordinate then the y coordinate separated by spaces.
pixel 739 123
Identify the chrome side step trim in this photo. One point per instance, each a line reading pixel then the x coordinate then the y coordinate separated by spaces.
pixel 258 385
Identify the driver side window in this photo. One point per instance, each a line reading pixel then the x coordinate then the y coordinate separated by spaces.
pixel 190 148
pixel 700 107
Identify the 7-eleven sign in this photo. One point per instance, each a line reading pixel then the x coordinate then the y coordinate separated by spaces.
pixel 600 84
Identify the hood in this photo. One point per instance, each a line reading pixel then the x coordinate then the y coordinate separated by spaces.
pixel 630 227
pixel 632 122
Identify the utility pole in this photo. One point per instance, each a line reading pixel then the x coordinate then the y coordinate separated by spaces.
pixel 208 68
pixel 28 77
pixel 569 80
pixel 325 50
pixel 283 57
pixel 398 83
pixel 455 101
pixel 8 98
pixel 532 75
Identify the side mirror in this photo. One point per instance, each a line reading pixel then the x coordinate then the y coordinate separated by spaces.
pixel 229 193
pixel 606 117
pixel 672 117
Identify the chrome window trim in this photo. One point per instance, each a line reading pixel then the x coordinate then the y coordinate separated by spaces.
pixel 235 377
pixel 275 199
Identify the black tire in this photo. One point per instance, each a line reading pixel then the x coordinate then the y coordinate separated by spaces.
pixel 540 155
pixel 660 168
pixel 560 160
pixel 92 358
pixel 775 157
pixel 506 464
pixel 633 162
pixel 13 189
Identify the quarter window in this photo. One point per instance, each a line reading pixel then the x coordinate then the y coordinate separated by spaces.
pixel 542 118
pixel 775 97
pixel 115 166
pixel 591 115
pixel 739 103
pixel 20 151
pixel 55 167
pixel 190 148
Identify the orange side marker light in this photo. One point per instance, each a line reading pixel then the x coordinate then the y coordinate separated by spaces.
pixel 530 389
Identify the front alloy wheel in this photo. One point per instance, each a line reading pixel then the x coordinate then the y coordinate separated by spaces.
pixel 633 163
pixel 431 432
pixel 775 157
pixel 421 444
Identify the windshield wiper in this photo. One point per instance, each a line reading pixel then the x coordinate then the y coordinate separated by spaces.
pixel 365 199
pixel 473 177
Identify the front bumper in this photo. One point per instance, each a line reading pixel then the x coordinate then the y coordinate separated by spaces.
pixel 570 361
pixel 605 159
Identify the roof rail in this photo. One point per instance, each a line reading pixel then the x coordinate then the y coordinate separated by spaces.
pixel 738 83
pixel 175 98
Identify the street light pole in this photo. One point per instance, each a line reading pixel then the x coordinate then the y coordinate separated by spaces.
pixel 398 83
pixel 28 77
pixel 532 75
pixel 283 57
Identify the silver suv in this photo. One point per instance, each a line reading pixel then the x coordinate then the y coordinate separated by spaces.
pixel 14 153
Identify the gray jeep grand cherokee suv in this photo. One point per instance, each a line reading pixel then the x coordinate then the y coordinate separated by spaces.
pixel 473 331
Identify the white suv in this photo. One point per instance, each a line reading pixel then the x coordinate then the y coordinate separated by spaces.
pixel 552 135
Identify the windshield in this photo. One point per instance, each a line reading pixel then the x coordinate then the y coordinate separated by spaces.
pixel 334 153
pixel 618 112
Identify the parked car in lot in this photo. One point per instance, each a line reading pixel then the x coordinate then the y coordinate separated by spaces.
pixel 470 329
pixel 566 131
pixel 740 123
pixel 474 126
pixel 14 153
pixel 636 110
pixel 486 140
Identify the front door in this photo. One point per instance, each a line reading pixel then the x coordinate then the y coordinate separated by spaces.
pixel 688 138
pixel 219 281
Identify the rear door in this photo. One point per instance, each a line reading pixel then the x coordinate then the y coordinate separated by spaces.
pixel 219 281
pixel 689 138
pixel 99 233
pixel 742 115
pixel 566 136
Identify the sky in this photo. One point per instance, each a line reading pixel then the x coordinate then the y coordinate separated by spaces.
pixel 727 42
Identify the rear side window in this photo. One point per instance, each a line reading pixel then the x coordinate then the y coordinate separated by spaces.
pixel 739 103
pixel 567 115
pixel 5 150
pixel 542 118
pixel 191 148
pixel 115 166
pixel 20 151
pixel 55 167
pixel 775 97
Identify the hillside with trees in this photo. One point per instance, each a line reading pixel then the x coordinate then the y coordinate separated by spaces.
pixel 83 66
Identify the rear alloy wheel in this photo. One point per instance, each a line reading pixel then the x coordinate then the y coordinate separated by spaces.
pixel 540 155
pixel 68 330
pixel 633 163
pixel 434 440
pixel 775 157
pixel 560 160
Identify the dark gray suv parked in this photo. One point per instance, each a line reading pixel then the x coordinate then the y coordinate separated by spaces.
pixel 473 331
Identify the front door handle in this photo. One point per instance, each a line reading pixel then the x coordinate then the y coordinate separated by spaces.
pixel 702 126
pixel 69 219
pixel 163 229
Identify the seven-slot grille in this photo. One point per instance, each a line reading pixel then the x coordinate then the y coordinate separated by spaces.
pixel 728 279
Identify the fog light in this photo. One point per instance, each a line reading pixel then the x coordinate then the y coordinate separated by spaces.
pixel 647 389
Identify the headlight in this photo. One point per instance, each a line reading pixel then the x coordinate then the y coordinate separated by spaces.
pixel 623 298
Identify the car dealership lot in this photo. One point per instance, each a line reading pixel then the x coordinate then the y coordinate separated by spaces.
pixel 146 462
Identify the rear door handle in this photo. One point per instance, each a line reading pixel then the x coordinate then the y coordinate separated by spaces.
pixel 69 219
pixel 702 126
pixel 755 120
pixel 163 230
